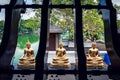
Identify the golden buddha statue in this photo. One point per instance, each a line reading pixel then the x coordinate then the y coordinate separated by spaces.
pixel 60 60
pixel 27 60
pixel 93 59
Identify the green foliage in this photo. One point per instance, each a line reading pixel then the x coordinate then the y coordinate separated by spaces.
pixel 1 25
pixel 1 29
pixel 93 24
pixel 22 39
pixel 118 23
pixel 37 1
pixel 64 18
pixel 32 24
pixel 92 2
pixel 117 8
pixel 62 1
pixel 37 13
pixel 29 25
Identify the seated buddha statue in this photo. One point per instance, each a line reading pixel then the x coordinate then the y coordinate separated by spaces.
pixel 60 60
pixel 27 60
pixel 93 58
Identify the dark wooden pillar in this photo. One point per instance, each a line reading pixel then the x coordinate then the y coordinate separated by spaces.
pixel 43 40
pixel 79 42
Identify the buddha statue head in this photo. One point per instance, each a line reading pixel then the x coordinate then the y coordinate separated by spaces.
pixel 28 44
pixel 94 45
pixel 60 44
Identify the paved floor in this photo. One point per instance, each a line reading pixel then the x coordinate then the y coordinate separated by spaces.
pixel 61 77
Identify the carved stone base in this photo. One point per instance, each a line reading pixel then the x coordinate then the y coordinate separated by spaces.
pixel 101 65
pixel 95 62
pixel 22 66
pixel 60 64
pixel 26 64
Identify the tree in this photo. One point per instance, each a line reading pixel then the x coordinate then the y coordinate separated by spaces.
pixel 62 1
pixel 29 25
pixel 118 12
pixel 64 18
pixel 1 25
pixel 118 23
pixel 117 8
pixel 92 2
pixel 37 1
pixel 92 24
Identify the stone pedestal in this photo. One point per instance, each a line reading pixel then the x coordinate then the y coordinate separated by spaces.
pixel 26 63
pixel 60 63
pixel 94 62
